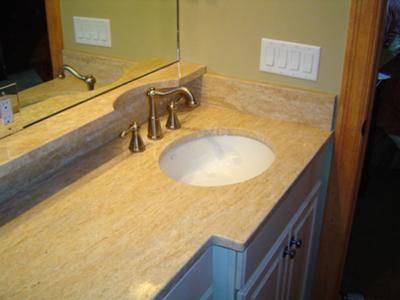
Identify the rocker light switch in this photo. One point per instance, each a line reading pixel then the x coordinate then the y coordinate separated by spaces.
pixel 282 58
pixel 269 56
pixel 307 62
pixel 294 61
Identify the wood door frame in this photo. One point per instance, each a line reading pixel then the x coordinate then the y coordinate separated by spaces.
pixel 55 34
pixel 366 22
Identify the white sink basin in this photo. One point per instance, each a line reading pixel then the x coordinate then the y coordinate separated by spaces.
pixel 216 160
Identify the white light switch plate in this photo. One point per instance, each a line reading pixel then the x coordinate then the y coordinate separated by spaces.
pixel 289 59
pixel 92 31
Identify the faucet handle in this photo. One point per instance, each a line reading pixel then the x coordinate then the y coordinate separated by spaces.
pixel 136 144
pixel 172 121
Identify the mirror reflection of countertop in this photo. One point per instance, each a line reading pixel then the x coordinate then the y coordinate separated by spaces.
pixel 58 94
pixel 112 225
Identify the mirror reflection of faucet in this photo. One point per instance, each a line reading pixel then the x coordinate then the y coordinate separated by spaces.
pixel 90 80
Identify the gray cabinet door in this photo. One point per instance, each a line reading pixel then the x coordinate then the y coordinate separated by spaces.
pixel 284 271
pixel 302 234
pixel 268 280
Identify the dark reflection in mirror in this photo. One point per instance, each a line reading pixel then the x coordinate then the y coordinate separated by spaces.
pixel 24 45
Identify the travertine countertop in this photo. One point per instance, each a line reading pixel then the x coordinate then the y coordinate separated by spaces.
pixel 113 226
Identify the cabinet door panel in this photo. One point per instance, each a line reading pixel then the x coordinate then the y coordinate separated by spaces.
pixel 267 281
pixel 269 287
pixel 298 267
pixel 285 212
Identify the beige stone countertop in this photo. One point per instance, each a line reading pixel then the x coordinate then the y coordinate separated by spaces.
pixel 112 225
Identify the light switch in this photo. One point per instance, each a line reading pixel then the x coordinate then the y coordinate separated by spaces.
pixel 86 32
pixel 95 35
pixel 307 62
pixel 269 55
pixel 282 58
pixel 92 31
pixel 289 59
pixel 79 32
pixel 102 34
pixel 294 60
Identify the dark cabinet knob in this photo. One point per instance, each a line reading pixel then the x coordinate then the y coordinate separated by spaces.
pixel 289 252
pixel 296 243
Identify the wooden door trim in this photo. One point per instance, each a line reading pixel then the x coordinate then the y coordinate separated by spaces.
pixel 366 22
pixel 55 33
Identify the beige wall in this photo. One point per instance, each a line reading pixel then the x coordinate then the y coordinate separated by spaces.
pixel 140 29
pixel 226 36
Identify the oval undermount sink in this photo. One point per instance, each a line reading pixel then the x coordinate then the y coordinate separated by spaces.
pixel 216 160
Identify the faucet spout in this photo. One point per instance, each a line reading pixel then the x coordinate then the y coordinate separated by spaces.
pixel 185 92
pixel 90 80
pixel 154 127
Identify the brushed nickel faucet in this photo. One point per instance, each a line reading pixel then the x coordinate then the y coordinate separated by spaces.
pixel 136 144
pixel 154 127
pixel 90 80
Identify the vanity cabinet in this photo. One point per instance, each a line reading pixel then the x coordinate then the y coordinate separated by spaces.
pixel 278 261
pixel 283 272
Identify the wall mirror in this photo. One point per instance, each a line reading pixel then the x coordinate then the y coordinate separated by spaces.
pixel 103 43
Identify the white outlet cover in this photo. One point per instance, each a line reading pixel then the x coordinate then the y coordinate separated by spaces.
pixel 6 111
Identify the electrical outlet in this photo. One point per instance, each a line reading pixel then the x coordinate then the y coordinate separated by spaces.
pixel 289 59
pixel 6 111
pixel 92 31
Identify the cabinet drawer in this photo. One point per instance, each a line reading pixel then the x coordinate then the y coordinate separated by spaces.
pixel 197 281
pixel 268 232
